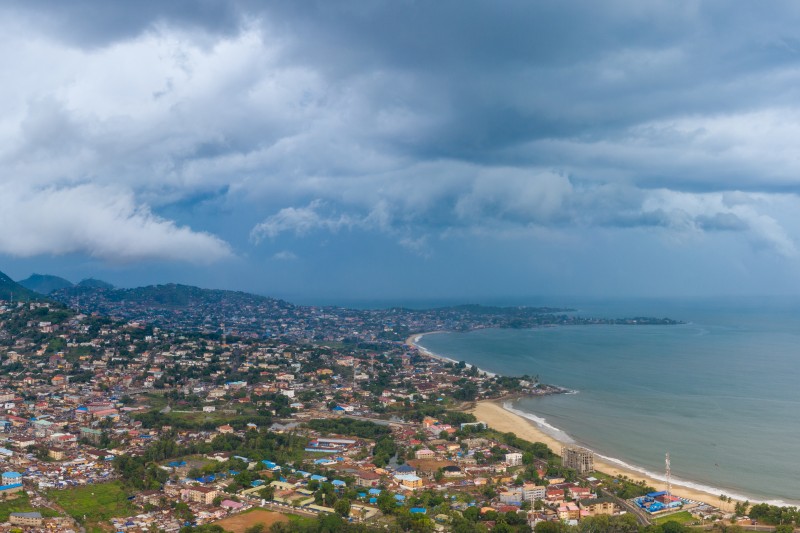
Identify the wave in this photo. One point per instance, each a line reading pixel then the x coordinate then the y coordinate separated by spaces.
pixel 427 352
pixel 541 423
pixel 564 437
pixel 689 484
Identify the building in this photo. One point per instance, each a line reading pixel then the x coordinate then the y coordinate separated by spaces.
pixel 568 511
pixel 204 495
pixel 579 459
pixel 424 453
pixel 409 481
pixel 599 506
pixel 367 479
pixel 11 482
pixel 511 497
pixel 514 459
pixel 531 492
pixel 25 519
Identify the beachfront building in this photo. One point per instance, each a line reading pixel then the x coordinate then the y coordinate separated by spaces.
pixel 579 459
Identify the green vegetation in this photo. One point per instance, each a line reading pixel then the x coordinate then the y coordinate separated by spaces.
pixel 142 472
pixel 351 427
pixel 774 515
pixel 92 504
pixel 200 420
pixel 682 517
pixel 623 487
pixel 21 504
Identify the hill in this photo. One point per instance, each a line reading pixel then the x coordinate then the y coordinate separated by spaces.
pixel 91 283
pixel 45 284
pixel 181 307
pixel 11 289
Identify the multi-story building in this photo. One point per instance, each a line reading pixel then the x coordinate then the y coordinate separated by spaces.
pixel 204 495
pixel 531 492
pixel 579 459
pixel 25 519
pixel 514 459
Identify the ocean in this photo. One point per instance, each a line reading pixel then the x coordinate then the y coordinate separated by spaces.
pixel 718 393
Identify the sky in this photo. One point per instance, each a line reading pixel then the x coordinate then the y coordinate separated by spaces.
pixel 400 149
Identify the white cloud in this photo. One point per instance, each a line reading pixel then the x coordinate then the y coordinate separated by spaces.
pixel 101 222
pixel 703 212
pixel 285 255
pixel 300 221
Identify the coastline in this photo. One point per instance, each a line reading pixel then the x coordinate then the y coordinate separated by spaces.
pixel 498 417
pixel 413 340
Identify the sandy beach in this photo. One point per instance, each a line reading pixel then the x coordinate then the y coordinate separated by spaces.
pixel 493 414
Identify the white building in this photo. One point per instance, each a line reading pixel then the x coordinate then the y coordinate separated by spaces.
pixel 514 459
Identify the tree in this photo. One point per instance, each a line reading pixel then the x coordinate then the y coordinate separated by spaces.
pixel 386 502
pixel 342 507
pixel 256 528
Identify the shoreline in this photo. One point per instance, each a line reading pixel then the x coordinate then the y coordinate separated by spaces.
pixel 500 418
pixel 413 340
pixel 498 415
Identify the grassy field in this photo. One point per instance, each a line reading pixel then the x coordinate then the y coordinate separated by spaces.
pixel 681 517
pixel 97 503
pixel 21 504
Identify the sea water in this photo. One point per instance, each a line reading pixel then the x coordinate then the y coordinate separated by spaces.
pixel 720 393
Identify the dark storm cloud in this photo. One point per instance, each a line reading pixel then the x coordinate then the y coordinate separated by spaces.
pixel 415 121
pixel 95 23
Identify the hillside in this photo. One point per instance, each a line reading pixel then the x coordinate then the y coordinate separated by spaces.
pixel 180 307
pixel 11 289
pixel 91 283
pixel 45 284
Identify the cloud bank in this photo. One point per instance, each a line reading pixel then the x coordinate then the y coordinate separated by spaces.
pixel 201 131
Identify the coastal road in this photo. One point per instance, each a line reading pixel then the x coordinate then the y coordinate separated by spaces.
pixel 641 516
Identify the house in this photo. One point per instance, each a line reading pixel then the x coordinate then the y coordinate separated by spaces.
pixel 367 479
pixel 232 505
pixel 424 453
pixel 580 493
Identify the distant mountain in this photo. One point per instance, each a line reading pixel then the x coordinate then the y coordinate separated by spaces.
pixel 91 283
pixel 45 284
pixel 11 289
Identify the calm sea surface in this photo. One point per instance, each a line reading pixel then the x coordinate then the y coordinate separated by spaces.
pixel 721 393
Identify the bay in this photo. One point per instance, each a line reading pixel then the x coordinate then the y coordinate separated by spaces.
pixel 719 393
